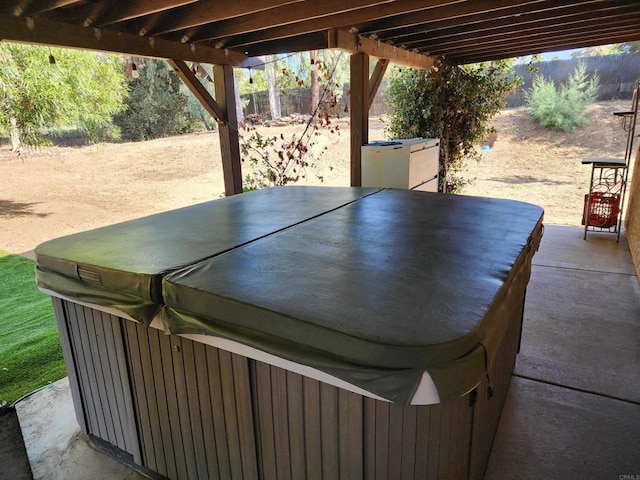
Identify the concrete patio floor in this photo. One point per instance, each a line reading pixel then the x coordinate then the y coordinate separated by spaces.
pixel 573 408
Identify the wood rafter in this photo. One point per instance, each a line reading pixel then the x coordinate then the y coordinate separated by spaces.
pixel 207 11
pixel 506 17
pixel 36 30
pixel 565 24
pixel 126 10
pixel 353 43
pixel 48 5
pixel 460 12
pixel 459 29
pixel 279 16
pixel 584 30
pixel 340 20
pixel 522 49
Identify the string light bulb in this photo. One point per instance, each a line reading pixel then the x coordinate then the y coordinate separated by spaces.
pixel 135 73
pixel 250 77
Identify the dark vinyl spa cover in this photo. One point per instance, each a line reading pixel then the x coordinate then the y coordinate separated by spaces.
pixel 122 265
pixel 374 292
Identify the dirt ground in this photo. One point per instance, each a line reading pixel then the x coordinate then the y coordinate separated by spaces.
pixel 60 190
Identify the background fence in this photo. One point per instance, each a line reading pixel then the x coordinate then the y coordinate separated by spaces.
pixel 618 73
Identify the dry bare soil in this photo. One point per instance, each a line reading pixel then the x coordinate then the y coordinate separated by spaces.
pixel 60 190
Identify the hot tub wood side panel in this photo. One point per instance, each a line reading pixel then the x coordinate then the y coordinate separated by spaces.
pixel 194 406
pixel 94 347
pixel 426 441
pixel 200 412
pixel 306 428
pixel 488 409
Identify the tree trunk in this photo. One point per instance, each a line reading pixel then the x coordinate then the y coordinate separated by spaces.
pixel 16 142
pixel 315 84
pixel 239 111
pixel 274 94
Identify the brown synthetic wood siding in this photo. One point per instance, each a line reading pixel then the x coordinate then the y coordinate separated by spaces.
pixel 426 441
pixel 191 411
pixel 489 408
pixel 70 360
pixel 95 341
pixel 306 428
pixel 194 406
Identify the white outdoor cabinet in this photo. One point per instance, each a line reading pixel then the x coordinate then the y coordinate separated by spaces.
pixel 408 164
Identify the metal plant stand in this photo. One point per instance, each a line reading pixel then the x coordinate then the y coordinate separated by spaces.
pixel 604 203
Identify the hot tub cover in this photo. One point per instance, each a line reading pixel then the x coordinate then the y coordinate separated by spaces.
pixel 374 292
pixel 121 266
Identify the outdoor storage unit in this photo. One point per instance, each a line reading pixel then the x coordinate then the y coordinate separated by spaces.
pixel 373 340
pixel 411 164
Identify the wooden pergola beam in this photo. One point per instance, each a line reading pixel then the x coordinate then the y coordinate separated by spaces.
pixel 359 86
pixel 376 79
pixel 542 37
pixel 363 91
pixel 505 18
pixel 228 131
pixel 127 10
pixel 284 15
pixel 546 46
pixel 354 43
pixel 37 30
pixel 338 20
pixel 207 11
pixel 563 27
pixel 198 90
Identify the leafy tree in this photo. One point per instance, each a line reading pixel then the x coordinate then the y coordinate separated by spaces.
pixel 614 49
pixel 42 88
pixel 452 103
pixel 155 105
pixel 562 108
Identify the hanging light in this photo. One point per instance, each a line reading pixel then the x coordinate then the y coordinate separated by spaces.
pixel 250 77
pixel 135 73
pixel 52 59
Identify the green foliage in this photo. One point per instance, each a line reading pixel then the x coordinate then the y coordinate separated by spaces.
pixel 453 103
pixel 30 350
pixel 562 108
pixel 155 106
pixel 82 88
pixel 250 80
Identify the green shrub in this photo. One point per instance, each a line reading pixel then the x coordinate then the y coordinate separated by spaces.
pixel 562 108
pixel 155 106
pixel 452 103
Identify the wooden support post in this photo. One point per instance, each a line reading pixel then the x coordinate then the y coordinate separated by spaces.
pixel 359 113
pixel 229 142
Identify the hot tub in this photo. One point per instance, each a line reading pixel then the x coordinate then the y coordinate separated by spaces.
pixel 297 332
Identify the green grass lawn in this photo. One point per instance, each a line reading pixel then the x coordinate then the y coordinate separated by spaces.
pixel 30 350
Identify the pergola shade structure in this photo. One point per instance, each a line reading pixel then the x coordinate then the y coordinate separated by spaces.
pixel 230 32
